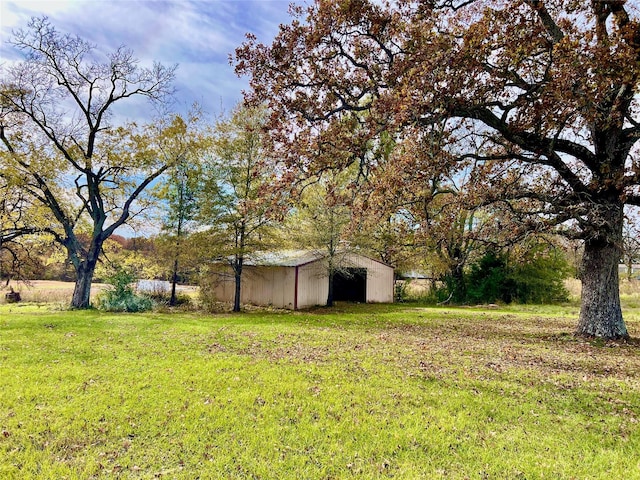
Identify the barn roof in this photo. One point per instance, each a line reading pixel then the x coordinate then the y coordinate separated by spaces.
pixel 284 258
pixel 291 258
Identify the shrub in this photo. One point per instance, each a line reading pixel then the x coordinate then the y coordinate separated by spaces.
pixel 121 297
pixel 489 280
pixel 209 280
pixel 540 276
pixel 438 294
pixel 401 290
pixel 207 298
pixel 164 298
pixel 537 277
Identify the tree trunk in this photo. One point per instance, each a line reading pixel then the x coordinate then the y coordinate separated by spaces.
pixel 456 283
pixel 82 290
pixel 600 312
pixel 237 270
pixel 174 274
pixel 332 275
pixel 174 281
pixel 84 268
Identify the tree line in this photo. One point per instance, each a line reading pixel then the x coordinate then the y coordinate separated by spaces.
pixel 440 135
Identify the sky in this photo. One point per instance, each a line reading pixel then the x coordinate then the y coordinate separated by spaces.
pixel 198 35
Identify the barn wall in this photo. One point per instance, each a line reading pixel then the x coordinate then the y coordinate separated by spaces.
pixel 222 283
pixel 260 286
pixel 313 284
pixel 269 286
pixel 276 285
pixel 379 278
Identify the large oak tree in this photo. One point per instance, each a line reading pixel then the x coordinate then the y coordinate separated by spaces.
pixel 537 99
pixel 59 136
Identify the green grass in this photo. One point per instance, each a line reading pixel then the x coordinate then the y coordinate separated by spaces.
pixel 360 392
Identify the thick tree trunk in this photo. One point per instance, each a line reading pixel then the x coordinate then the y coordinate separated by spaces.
pixel 82 290
pixel 85 268
pixel 600 312
pixel 456 283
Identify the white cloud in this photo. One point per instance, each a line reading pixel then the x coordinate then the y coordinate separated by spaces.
pixel 197 35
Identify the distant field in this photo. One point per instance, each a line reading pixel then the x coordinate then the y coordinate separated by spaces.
pixel 47 291
pixel 362 392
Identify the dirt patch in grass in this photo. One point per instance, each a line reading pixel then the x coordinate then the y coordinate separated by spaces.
pixel 507 342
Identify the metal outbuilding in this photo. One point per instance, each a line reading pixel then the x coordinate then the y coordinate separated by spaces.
pixel 298 279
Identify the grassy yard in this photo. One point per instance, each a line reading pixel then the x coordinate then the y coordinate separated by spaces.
pixel 397 391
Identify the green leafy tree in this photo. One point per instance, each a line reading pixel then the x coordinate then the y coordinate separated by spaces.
pixel 239 205
pixel 58 130
pixel 321 222
pixel 539 275
pixel 489 280
pixel 184 146
pixel 529 273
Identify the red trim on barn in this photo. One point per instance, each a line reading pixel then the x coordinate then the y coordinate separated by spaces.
pixel 295 291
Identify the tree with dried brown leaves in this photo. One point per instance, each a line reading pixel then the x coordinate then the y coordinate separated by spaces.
pixel 535 101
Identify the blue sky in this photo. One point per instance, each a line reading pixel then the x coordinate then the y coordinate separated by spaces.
pixel 197 35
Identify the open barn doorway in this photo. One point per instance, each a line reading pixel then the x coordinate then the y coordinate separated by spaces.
pixel 350 285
